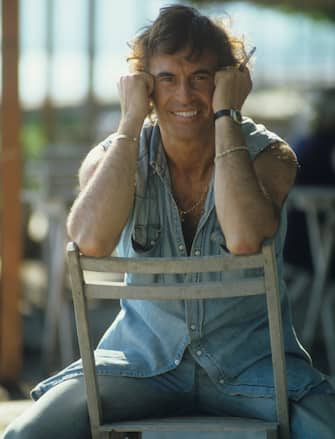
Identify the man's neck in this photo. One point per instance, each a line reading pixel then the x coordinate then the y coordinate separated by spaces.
pixel 191 157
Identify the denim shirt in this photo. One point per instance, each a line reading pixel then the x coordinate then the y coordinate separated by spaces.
pixel 228 337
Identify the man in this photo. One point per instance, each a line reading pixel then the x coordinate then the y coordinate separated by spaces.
pixel 199 181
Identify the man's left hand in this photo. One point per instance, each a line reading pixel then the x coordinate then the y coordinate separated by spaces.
pixel 232 86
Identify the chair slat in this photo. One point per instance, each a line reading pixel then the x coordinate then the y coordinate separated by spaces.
pixel 180 291
pixel 205 424
pixel 170 265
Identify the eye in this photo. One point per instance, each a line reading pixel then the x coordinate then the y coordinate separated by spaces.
pixel 200 77
pixel 166 78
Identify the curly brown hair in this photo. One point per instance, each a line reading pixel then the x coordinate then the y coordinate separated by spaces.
pixel 178 27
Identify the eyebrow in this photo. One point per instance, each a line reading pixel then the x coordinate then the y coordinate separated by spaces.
pixel 162 74
pixel 196 72
pixel 202 72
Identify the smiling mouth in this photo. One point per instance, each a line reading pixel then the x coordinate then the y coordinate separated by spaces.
pixel 185 114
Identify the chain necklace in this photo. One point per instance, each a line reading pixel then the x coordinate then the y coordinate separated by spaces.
pixel 183 213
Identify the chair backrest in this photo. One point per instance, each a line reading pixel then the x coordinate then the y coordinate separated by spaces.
pixel 265 281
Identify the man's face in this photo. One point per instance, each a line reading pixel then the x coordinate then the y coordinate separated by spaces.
pixel 183 91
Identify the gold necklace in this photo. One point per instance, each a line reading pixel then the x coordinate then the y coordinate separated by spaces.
pixel 183 213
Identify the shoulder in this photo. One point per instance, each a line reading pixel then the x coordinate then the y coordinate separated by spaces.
pixel 258 137
pixel 275 162
pixel 276 167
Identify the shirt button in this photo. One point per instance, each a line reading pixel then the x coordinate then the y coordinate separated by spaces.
pixel 193 327
pixel 177 362
pixel 199 353
pixel 181 247
pixel 197 253
pixel 221 381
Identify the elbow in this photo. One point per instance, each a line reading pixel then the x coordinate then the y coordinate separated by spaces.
pixel 90 245
pixel 93 248
pixel 247 237
pixel 244 247
pixel 250 244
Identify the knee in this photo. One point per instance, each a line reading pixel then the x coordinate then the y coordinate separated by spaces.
pixel 17 431
pixel 28 426
pixel 75 425
pixel 59 413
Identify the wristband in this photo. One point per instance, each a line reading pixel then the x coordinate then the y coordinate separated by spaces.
pixel 222 154
pixel 105 144
pixel 230 112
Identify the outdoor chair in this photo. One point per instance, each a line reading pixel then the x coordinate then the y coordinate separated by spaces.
pixel 264 281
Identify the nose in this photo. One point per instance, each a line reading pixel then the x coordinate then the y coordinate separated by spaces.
pixel 184 92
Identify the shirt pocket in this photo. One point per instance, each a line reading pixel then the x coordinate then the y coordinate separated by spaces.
pixel 146 237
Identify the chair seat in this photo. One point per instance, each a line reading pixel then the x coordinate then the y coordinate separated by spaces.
pixel 196 423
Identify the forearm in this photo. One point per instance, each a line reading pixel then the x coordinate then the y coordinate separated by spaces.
pixel 245 211
pixel 102 208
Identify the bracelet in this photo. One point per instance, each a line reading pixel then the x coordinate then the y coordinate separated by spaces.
pixel 105 144
pixel 220 155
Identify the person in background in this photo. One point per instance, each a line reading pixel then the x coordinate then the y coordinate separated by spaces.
pixel 316 150
pixel 316 155
pixel 201 180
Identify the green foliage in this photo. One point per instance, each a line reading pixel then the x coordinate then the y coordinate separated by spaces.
pixel 33 139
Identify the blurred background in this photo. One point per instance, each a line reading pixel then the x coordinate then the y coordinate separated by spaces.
pixel 60 63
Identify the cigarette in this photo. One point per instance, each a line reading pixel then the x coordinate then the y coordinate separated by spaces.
pixel 246 59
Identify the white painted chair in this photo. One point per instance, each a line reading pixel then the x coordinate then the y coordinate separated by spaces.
pixel 84 288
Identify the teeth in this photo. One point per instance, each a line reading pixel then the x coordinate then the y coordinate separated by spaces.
pixel 186 113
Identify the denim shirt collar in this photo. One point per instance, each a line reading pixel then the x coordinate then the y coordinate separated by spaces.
pixel 157 157
pixel 159 166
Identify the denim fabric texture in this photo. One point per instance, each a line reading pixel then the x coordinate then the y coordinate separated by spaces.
pixel 184 391
pixel 228 338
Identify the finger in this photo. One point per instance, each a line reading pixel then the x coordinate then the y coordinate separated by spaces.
pixel 243 68
pixel 223 73
pixel 150 80
pixel 226 69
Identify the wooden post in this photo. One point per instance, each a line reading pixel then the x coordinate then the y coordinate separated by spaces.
pixel 48 110
pixel 91 106
pixel 10 177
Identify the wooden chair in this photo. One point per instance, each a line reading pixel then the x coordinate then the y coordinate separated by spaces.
pixel 84 287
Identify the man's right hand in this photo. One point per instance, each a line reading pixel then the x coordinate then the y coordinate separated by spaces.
pixel 135 90
pixel 100 212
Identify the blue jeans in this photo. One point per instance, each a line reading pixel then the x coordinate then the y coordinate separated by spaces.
pixel 62 411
